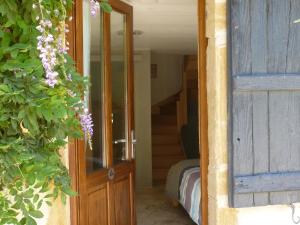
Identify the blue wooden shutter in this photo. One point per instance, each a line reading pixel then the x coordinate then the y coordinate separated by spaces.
pixel 264 102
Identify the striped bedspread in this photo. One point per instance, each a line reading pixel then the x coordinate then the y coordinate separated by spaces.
pixel 190 192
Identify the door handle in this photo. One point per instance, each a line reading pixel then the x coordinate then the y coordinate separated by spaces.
pixel 133 143
pixel 120 141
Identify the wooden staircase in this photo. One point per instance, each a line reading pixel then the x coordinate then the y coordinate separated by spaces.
pixel 168 117
pixel 166 146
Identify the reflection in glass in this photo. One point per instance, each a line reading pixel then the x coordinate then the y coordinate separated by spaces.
pixel 92 61
pixel 119 86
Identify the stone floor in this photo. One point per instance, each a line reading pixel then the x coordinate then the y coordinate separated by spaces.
pixel 154 209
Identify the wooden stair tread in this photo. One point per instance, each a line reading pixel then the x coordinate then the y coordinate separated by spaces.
pixel 164 119
pixel 164 129
pixel 165 139
pixel 166 146
pixel 158 150
pixel 168 109
pixel 159 174
pixel 166 161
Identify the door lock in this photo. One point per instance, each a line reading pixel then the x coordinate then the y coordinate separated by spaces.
pixel 111 174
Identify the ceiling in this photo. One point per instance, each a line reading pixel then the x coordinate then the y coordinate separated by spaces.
pixel 169 26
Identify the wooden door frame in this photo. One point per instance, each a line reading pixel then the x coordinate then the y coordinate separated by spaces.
pixel 75 38
pixel 76 50
pixel 203 113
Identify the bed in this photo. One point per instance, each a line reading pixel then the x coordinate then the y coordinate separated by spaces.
pixel 183 186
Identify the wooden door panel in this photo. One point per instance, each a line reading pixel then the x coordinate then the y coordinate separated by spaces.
pixel 98 207
pixel 105 187
pixel 122 201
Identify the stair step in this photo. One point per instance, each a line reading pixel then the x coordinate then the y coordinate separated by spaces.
pixel 168 109
pixel 159 183
pixel 164 119
pixel 159 162
pixel 164 129
pixel 162 150
pixel 166 147
pixel 160 174
pixel 162 139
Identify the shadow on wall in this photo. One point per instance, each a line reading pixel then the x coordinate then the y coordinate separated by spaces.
pixel 142 108
pixel 169 76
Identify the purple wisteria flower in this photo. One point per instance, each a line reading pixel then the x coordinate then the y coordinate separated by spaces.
pixel 62 47
pixel 48 52
pixel 95 7
pixel 52 49
pixel 69 77
pixel 87 123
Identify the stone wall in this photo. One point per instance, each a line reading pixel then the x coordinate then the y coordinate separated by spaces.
pixel 219 211
pixel 58 214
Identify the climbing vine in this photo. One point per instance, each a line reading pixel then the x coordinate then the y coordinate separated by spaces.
pixel 40 106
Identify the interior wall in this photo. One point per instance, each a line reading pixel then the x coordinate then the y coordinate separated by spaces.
pixel 142 104
pixel 169 76
pixel 219 211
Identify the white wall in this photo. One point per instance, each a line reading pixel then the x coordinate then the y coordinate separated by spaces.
pixel 142 97
pixel 169 76
pixel 269 215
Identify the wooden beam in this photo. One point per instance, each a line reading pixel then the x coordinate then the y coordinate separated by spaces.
pixel 266 82
pixel 267 182
pixel 203 117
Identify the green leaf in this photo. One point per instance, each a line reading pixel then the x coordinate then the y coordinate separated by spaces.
pixel 60 112
pixel 69 191
pixel 28 194
pixel 21 114
pixel 36 198
pixel 49 203
pixel 5 88
pixel 30 221
pixel 31 180
pixel 36 214
pixel 17 205
pixel 46 113
pixel 23 221
pixel 63 198
pixel 33 120
pixel 14 53
pixel 19 46
pixel 12 5
pixel 40 203
pixel 8 24
pixel 106 7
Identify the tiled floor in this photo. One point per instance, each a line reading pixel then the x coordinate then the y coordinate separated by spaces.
pixel 154 209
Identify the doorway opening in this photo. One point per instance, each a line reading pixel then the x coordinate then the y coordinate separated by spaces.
pixel 167 105
pixel 166 92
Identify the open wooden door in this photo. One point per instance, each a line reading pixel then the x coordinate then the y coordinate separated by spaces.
pixel 203 107
pixel 105 171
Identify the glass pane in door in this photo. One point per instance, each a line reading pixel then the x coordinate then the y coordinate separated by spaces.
pixel 119 86
pixel 92 62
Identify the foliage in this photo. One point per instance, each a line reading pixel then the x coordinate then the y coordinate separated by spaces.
pixel 35 118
